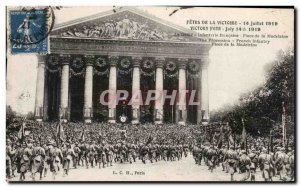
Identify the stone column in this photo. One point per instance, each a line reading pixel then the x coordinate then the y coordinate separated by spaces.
pixel 88 89
pixel 112 89
pixel 64 88
pixel 136 91
pixel 199 109
pixel 181 105
pixel 40 88
pixel 159 87
pixel 204 93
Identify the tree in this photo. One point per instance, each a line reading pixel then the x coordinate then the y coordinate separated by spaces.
pixel 262 108
pixel 10 114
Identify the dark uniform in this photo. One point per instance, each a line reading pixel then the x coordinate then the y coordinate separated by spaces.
pixel 144 152
pixel 266 165
pixel 231 158
pixel 244 164
pixel 38 161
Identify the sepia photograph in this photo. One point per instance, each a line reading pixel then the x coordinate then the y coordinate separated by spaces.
pixel 150 94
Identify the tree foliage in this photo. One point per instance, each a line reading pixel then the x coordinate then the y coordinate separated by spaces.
pixel 263 108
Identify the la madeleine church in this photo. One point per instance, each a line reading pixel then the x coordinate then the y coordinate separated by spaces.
pixel 124 49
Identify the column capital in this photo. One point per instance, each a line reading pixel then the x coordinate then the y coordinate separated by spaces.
pixel 65 59
pixel 89 59
pixel 160 62
pixel 182 63
pixel 113 60
pixel 136 61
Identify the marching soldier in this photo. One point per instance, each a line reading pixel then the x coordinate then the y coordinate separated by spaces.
pixel 9 159
pixel 152 153
pixel 244 163
pixel 76 156
pixel 185 150
pixel 132 153
pixel 211 157
pixel 231 158
pixel 92 153
pixel 223 152
pixel 68 153
pixel 279 162
pixel 24 156
pixel 164 152
pixel 38 164
pixel 144 153
pixel 56 157
pixel 266 165
pixel 48 159
pixel 122 153
pixel 254 161
pixel 292 165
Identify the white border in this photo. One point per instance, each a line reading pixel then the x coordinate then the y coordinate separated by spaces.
pixel 3 3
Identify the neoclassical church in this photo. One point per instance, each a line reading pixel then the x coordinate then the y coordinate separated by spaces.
pixel 125 49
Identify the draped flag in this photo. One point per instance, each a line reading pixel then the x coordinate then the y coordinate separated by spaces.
pixel 244 135
pixel 231 141
pixel 219 144
pixel 82 136
pixel 21 133
pixel 60 131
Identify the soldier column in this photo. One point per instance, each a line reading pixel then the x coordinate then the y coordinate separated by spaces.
pixel 181 114
pixel 40 87
pixel 159 87
pixel 112 89
pixel 64 88
pixel 204 92
pixel 136 92
pixel 88 89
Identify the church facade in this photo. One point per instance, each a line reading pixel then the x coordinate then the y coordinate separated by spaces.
pixel 127 50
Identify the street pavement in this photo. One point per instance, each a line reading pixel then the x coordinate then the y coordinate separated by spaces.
pixel 182 170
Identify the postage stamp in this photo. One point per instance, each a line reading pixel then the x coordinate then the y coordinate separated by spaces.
pixel 29 30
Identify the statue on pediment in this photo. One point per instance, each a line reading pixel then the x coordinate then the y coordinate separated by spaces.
pixel 123 29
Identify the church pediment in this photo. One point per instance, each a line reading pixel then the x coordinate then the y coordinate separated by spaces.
pixel 124 24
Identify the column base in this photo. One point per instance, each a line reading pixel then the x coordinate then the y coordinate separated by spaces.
pixel 181 123
pixel 88 121
pixel 39 119
pixel 158 116
pixel 64 120
pixel 158 122
pixel 134 122
pixel 112 121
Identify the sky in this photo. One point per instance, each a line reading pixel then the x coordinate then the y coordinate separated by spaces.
pixel 232 71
